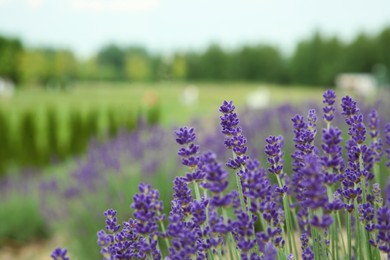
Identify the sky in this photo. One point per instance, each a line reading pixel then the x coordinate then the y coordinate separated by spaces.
pixel 169 25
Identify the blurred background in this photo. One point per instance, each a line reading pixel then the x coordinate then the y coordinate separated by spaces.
pixel 91 90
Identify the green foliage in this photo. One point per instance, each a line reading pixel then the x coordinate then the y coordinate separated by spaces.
pixel 48 67
pixel 10 53
pixel 21 220
pixel 316 61
pixel 5 152
pixel 53 133
pixel 259 63
pixel 153 114
pixel 28 138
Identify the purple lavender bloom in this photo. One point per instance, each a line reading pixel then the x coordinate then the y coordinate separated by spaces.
pixel 307 254
pixel 329 100
pixel 332 158
pixel 59 254
pixel 257 187
pixel 233 133
pixel 111 221
pixel 349 107
pixel 270 252
pixel 273 235
pixel 368 156
pixel 354 119
pixel 183 238
pixel 198 211
pixel 216 177
pixel 324 223
pixel 185 135
pixel 243 232
pixel 383 227
pixel 336 203
pixel 273 150
pixel 373 123
pixel 312 121
pixel 377 194
pixel 353 174
pixel 366 215
pixel 304 138
pixel 147 209
pixel 188 153
pixel 182 195
pixel 387 141
pixel 304 241
pixel 313 191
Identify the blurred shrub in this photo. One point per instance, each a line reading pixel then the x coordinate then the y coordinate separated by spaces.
pixel 22 220
pixel 39 136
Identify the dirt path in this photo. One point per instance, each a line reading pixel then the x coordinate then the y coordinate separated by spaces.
pixel 39 250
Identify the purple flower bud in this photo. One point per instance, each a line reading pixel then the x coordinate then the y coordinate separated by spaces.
pixel 329 100
pixel 185 135
pixel 111 221
pixel 233 134
pixel 373 123
pixel 324 223
pixel 59 254
pixel 387 141
pixel 307 254
pixel 383 227
pixel 273 150
pixel 366 212
pixel 349 107
pixel 332 158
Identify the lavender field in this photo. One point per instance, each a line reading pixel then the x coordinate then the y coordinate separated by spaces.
pixel 307 181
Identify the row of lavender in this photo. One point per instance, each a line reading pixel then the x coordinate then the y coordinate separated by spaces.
pixel 324 195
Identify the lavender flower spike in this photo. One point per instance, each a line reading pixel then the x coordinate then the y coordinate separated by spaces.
pixel 387 140
pixel 233 132
pixel 273 150
pixel 329 99
pixel 59 254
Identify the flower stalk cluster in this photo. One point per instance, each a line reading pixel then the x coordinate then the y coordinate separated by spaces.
pixel 269 207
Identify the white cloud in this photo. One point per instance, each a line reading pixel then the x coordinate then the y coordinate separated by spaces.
pixel 35 3
pixel 113 5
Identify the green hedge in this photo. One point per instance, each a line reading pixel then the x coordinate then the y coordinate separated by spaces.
pixel 39 136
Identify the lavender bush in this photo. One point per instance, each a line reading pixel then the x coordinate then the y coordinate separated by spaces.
pixel 268 212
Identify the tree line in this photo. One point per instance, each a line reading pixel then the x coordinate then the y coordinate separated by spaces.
pixel 316 60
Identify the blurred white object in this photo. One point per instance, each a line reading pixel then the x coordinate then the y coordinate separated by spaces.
pixel 190 95
pixel 7 88
pixel 361 83
pixel 258 99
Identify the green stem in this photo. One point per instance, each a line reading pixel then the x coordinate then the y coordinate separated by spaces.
pixel 231 243
pixel 359 243
pixel 241 195
pixel 289 227
pixel 335 241
pixel 314 238
pixel 165 239
pixel 340 228
pixel 197 191
pixel 349 237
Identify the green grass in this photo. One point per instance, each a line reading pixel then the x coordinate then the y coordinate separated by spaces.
pixel 85 96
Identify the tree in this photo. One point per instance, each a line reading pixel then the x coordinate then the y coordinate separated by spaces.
pixel 10 53
pixel 361 54
pixel 137 64
pixel 259 63
pixel 214 64
pixel 111 62
pixel 179 67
